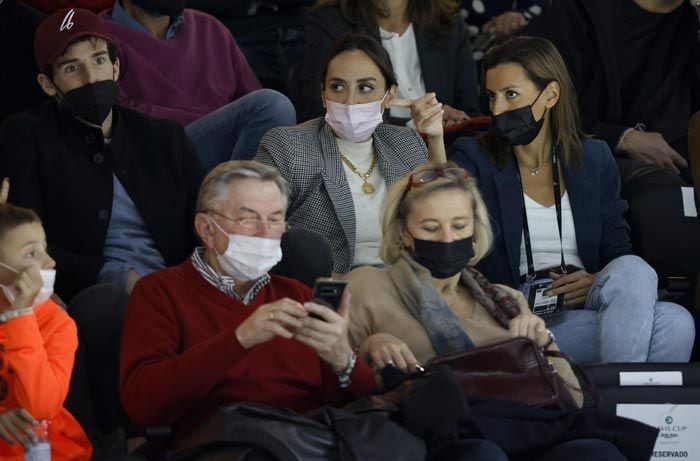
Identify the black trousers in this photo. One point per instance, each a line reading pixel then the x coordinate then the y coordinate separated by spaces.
pixel 93 398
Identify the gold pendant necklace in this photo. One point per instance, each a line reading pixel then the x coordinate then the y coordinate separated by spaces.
pixel 536 171
pixel 367 186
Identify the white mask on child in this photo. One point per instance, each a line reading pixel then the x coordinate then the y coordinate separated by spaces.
pixel 354 122
pixel 48 277
pixel 248 258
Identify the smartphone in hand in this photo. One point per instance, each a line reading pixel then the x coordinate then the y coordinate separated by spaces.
pixel 329 292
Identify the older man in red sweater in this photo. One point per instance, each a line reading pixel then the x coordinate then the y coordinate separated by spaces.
pixel 219 329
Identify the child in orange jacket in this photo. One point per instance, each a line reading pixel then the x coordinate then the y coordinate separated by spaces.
pixel 37 345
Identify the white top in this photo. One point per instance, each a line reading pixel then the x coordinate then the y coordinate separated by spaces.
pixel 404 58
pixel 368 231
pixel 544 235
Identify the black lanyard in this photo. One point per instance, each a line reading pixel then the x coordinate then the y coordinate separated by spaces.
pixel 531 273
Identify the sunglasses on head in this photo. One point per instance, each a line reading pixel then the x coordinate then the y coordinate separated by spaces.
pixel 427 176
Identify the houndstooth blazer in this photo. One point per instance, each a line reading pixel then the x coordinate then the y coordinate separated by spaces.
pixel 320 199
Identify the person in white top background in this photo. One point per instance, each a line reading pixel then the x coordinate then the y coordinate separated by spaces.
pixel 560 234
pixel 426 40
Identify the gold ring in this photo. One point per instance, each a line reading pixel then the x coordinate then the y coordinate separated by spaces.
pixel 272 316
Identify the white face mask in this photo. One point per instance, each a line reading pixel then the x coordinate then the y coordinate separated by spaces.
pixel 48 278
pixel 248 258
pixel 354 122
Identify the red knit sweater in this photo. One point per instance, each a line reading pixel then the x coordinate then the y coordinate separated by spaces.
pixel 180 358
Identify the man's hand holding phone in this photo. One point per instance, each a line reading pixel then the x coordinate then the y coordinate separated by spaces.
pixel 326 331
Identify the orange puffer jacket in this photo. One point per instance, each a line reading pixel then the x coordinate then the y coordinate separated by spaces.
pixel 37 353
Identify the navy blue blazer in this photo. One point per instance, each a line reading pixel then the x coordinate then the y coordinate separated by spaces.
pixel 602 234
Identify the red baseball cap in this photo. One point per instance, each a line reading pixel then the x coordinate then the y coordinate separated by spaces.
pixel 58 30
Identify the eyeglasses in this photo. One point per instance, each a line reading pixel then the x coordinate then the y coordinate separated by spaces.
pixel 254 225
pixel 427 176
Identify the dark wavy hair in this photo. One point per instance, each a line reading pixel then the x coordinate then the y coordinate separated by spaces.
pixel 542 64
pixel 432 18
pixel 369 46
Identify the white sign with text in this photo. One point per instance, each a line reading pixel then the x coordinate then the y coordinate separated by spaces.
pixel 679 426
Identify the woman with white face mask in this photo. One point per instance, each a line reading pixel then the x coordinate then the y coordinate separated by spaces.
pixel 339 166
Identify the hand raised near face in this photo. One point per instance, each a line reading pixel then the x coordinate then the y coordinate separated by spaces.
pixel 426 113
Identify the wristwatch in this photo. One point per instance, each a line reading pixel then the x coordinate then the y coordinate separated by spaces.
pixel 550 340
pixel 344 376
pixel 12 313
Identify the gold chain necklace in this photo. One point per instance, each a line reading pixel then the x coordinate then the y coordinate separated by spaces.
pixel 367 187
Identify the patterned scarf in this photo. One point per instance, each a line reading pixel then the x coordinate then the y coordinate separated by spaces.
pixel 415 285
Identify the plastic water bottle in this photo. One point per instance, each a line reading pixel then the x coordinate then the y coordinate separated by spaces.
pixel 42 450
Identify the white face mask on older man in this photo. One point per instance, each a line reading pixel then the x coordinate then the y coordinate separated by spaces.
pixel 248 258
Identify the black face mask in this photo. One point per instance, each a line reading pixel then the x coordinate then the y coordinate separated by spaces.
pixel 518 126
pixel 91 102
pixel 443 259
pixel 170 8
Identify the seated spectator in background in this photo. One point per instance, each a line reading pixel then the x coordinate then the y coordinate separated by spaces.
pixel 51 6
pixel 638 88
pixel 39 341
pixel 554 197
pixel 339 167
pixel 115 188
pixel 635 65
pixel 426 41
pixel 18 24
pixel 431 301
pixel 219 329
pixel 185 65
pixel 270 34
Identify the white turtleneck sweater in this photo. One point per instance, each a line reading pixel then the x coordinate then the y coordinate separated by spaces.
pixel 368 232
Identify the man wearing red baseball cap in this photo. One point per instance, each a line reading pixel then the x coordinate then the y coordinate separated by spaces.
pixel 115 188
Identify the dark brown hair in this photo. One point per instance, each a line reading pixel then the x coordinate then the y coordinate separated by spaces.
pixel 542 64
pixel 432 18
pixel 369 46
pixel 111 51
pixel 13 216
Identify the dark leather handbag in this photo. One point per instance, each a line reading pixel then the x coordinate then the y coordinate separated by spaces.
pixel 516 369
pixel 254 432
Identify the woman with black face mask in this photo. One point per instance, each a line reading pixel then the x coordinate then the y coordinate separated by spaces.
pixel 430 300
pixel 435 228
pixel 554 196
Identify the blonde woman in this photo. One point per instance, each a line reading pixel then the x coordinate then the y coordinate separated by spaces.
pixel 430 300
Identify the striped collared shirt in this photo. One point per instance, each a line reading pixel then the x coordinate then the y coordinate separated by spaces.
pixel 224 282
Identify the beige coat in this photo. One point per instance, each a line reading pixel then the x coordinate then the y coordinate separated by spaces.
pixel 376 307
